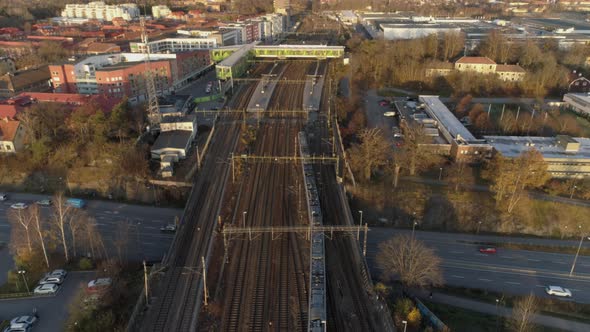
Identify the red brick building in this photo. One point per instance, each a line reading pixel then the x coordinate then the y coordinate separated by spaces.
pixel 123 74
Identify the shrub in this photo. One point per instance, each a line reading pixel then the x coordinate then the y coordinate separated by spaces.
pixel 85 264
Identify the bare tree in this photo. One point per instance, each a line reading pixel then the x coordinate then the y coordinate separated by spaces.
pixel 522 313
pixel 61 215
pixel 38 225
pixel 371 153
pixel 22 219
pixel 511 177
pixel 75 225
pixel 409 260
pixel 121 240
pixel 416 154
pixel 92 239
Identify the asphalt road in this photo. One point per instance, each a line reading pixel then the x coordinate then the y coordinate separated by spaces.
pixel 146 241
pixel 52 310
pixel 509 271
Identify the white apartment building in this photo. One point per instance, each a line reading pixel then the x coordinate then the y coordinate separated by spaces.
pixel 101 11
pixel 160 11
pixel 175 45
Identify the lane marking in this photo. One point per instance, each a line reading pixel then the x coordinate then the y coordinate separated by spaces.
pixel 512 282
pixel 456 252
pixel 542 286
pixel 559 262
pixel 460 277
pixel 506 257
pixel 483 279
pixel 533 260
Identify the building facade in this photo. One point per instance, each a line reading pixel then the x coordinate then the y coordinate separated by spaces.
pixel 478 64
pixel 124 74
pixel 160 11
pixel 174 45
pixel 100 11
pixel 566 157
pixel 12 136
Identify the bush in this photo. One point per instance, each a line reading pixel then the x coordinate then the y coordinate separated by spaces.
pixel 85 264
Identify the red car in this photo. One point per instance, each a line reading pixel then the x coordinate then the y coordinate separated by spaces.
pixel 383 103
pixel 487 250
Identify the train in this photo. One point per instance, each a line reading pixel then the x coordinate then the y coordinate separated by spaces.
pixel 317 297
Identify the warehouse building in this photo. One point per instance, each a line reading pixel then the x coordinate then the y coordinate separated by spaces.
pixel 565 156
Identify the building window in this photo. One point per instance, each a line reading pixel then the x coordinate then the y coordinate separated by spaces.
pixel 8 147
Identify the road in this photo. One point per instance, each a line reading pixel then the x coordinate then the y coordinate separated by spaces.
pixel 146 222
pixel 52 310
pixel 509 271
pixel 375 117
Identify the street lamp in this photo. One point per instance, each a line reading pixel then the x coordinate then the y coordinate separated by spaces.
pixel 358 230
pixel 244 218
pixel 414 227
pixel 577 253
pixel 478 224
pixel 564 232
pixel 22 273
pixel 405 322
pixel 440 174
pixel 497 315
pixel 572 193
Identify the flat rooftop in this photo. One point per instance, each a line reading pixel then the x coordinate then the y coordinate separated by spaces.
pixel 233 59
pixel 176 139
pixel 513 146
pixel 448 120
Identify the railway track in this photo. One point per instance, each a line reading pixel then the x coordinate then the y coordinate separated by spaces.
pixel 177 297
pixel 266 280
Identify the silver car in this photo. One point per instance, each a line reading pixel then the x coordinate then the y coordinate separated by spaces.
pixel 558 291
pixel 46 289
pixel 51 280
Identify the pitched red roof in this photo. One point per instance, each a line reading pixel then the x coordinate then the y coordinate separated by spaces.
pixel 9 111
pixel 476 60
pixel 8 129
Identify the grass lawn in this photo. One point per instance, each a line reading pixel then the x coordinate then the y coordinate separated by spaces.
pixel 459 319
pixel 550 307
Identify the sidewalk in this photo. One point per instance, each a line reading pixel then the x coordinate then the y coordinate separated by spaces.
pixel 487 308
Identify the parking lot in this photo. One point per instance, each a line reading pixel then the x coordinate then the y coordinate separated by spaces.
pixel 52 310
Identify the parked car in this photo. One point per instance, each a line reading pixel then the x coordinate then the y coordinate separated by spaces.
pixel 46 289
pixel 100 284
pixel 19 206
pixel 3 197
pixel 51 280
pixel 390 113
pixel 168 228
pixel 26 328
pixel 57 273
pixel 44 202
pixel 558 291
pixel 76 203
pixel 487 250
pixel 383 103
pixel 21 321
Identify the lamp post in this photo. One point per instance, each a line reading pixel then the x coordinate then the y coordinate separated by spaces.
pixel 497 315
pixel 244 218
pixel 414 227
pixel 564 232
pixel 440 174
pixel 22 273
pixel 358 230
pixel 405 322
pixel 577 253
pixel 478 225
pixel 572 193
